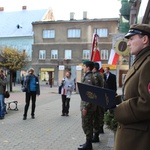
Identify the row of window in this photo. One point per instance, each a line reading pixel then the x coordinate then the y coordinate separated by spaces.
pixel 75 33
pixel 68 54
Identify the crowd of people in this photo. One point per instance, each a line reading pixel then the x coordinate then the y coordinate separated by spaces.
pixel 132 114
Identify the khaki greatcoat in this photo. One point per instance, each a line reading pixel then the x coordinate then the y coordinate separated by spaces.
pixel 133 114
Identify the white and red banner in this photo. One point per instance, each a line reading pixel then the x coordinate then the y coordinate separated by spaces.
pixel 95 53
pixel 113 58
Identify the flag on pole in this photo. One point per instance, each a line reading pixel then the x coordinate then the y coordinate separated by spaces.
pixel 95 53
pixel 113 58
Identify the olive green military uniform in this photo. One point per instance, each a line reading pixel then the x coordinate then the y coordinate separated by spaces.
pixel 87 120
pixel 99 114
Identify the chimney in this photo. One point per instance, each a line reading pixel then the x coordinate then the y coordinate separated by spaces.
pixel 1 8
pixel 72 16
pixel 84 15
pixel 24 7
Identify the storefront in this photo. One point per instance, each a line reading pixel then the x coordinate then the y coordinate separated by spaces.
pixel 47 75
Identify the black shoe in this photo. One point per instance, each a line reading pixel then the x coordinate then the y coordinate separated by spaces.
pixel 86 146
pixel 62 114
pixel 95 138
pixel 82 144
pixel 2 117
pixel 67 114
pixel 24 118
pixel 32 117
pixel 101 130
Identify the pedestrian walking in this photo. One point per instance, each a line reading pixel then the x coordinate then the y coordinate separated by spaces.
pixel 99 113
pixel 66 91
pixel 87 109
pixel 32 88
pixel 133 132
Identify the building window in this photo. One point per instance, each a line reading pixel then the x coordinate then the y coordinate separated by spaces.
pixel 54 54
pixel 104 54
pixel 42 54
pixel 102 32
pixel 49 34
pixel 86 54
pixel 73 33
pixel 68 54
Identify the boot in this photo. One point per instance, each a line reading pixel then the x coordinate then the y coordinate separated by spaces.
pixel 95 138
pixel 86 146
pixel 101 130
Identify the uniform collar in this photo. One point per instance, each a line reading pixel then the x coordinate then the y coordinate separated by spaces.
pixel 142 52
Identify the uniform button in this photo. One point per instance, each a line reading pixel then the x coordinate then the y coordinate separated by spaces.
pixel 119 126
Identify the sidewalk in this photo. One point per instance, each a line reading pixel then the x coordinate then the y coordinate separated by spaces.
pixel 49 130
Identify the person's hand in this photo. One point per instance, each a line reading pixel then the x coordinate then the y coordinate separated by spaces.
pixel 84 112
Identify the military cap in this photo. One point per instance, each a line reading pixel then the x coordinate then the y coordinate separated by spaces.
pixel 143 29
pixel 88 63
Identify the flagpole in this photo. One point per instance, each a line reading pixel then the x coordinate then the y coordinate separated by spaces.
pixel 95 46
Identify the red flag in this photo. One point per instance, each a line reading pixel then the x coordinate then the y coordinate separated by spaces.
pixel 113 58
pixel 95 54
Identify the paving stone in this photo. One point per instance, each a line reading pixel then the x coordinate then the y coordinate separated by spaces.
pixel 49 130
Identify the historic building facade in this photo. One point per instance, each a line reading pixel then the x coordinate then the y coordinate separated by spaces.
pixel 69 43
pixel 16 30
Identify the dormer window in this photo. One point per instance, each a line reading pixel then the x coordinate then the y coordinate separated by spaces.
pixel 18 26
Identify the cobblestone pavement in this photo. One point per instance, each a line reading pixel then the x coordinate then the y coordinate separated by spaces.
pixel 49 130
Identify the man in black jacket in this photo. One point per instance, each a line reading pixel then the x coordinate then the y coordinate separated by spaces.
pixel 109 80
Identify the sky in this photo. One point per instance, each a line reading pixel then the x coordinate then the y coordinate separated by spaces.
pixel 62 8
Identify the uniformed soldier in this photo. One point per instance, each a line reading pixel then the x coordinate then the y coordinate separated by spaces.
pixel 99 114
pixel 133 114
pixel 87 109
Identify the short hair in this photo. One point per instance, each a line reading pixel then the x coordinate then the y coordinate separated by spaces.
pixel 108 68
pixel 31 69
pixel 69 72
pixel 96 66
pixel 89 64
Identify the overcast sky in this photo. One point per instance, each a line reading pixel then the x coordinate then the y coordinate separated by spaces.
pixel 62 8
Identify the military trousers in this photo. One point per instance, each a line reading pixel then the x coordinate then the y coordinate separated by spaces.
pixel 98 119
pixel 87 124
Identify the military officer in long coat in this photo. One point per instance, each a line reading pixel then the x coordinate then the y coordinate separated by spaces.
pixel 133 114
